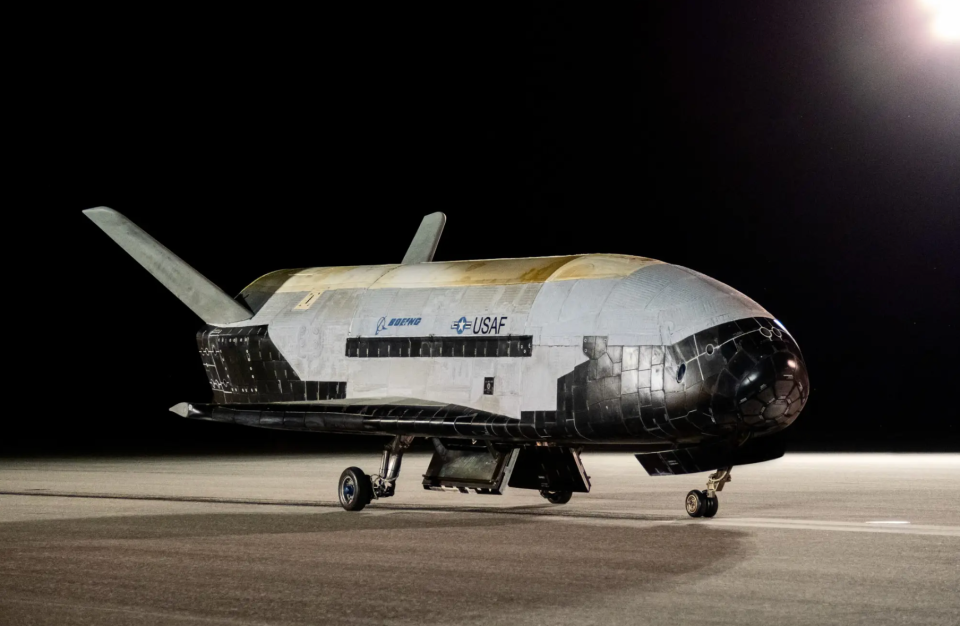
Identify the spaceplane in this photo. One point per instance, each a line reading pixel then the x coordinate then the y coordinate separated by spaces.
pixel 509 367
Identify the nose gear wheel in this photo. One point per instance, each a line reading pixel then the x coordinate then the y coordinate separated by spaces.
pixel 699 504
pixel 705 503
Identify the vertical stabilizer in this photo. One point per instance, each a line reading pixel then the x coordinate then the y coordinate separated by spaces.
pixel 424 243
pixel 202 296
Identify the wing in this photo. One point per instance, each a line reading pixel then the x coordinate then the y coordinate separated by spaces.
pixel 375 416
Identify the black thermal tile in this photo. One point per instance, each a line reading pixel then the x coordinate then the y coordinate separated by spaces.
pixel 611 412
pixel 657 399
pixel 711 365
pixel 630 405
pixel 645 399
pixel 594 392
pixel 588 346
pixel 691 375
pixel 580 397
pixel 599 347
pixel 687 349
pixel 676 405
pixel 611 387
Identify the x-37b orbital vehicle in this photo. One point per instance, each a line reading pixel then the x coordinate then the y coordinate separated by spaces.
pixel 508 366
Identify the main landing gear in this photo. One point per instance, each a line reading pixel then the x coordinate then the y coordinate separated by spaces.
pixel 705 503
pixel 557 497
pixel 356 490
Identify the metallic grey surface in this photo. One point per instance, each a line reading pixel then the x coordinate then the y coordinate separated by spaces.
pixel 203 297
pixel 798 545
pixel 424 243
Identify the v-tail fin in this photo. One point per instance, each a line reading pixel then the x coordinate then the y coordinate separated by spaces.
pixel 202 296
pixel 424 243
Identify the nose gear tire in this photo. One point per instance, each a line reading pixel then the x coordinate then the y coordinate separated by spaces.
pixel 713 505
pixel 696 503
pixel 699 504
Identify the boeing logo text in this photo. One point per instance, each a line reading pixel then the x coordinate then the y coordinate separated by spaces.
pixel 382 323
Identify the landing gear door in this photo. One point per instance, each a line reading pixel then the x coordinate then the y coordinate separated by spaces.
pixel 550 468
pixel 484 469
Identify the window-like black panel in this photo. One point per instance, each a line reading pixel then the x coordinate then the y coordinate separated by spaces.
pixel 448 347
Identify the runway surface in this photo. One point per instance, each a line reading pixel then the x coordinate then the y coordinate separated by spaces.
pixel 807 539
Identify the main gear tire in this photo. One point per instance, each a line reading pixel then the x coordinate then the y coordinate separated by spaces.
pixel 557 497
pixel 354 489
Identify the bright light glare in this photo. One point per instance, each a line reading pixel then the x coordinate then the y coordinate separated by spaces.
pixel 946 18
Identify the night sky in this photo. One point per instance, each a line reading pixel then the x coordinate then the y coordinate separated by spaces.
pixel 805 153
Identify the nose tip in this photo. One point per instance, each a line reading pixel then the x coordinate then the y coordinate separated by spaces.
pixel 774 391
pixel 774 384
pixel 764 383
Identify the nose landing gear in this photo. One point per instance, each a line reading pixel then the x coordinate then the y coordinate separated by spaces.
pixel 699 504
pixel 705 503
pixel 356 490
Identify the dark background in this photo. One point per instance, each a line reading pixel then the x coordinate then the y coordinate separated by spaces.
pixel 807 154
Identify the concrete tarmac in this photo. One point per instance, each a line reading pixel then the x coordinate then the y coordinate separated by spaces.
pixel 807 539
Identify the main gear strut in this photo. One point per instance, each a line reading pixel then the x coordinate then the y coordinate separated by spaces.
pixel 385 483
pixel 356 489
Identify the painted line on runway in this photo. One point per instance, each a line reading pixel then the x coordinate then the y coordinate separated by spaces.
pixel 858 527
pixel 78 607
pixel 540 510
pixel 161 498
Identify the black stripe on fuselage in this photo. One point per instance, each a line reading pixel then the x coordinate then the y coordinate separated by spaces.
pixel 453 347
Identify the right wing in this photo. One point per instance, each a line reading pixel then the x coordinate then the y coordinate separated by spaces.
pixel 373 416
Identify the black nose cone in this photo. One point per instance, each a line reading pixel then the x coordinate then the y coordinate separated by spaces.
pixel 764 385
pixel 742 376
